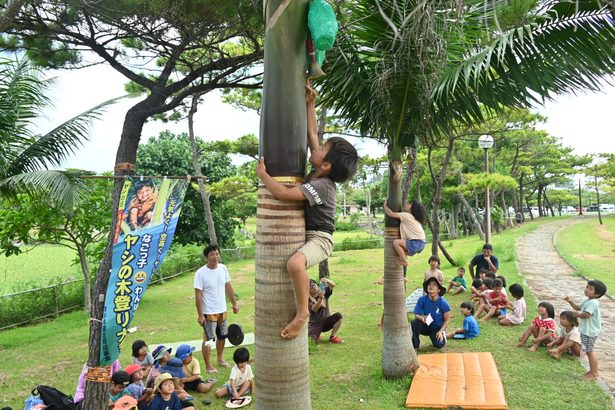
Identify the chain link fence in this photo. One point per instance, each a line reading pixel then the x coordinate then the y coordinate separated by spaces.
pixel 35 305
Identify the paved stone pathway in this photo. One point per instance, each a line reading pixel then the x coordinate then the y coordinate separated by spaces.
pixel 551 278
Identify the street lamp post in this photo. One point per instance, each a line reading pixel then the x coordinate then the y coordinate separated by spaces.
pixel 486 142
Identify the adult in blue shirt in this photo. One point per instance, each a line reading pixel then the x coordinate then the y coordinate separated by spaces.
pixel 431 315
pixel 485 260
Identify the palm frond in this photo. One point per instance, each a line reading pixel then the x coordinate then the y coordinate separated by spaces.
pixel 54 147
pixel 562 51
pixel 60 188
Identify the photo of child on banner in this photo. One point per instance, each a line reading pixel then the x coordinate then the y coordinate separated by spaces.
pixel 147 218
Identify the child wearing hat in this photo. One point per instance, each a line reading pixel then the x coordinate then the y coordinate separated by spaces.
pixel 192 369
pixel 125 403
pixel 118 388
pixel 431 315
pixel 137 387
pixel 165 396
pixel 161 356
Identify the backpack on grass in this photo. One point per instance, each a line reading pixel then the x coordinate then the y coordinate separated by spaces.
pixel 54 398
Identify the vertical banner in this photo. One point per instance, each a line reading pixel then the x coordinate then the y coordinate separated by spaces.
pixel 148 214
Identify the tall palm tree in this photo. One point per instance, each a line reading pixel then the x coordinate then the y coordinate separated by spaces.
pixel 26 156
pixel 404 71
pixel 282 366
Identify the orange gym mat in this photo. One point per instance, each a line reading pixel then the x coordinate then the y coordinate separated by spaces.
pixel 466 380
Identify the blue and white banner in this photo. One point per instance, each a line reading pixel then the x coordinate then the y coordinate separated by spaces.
pixel 148 214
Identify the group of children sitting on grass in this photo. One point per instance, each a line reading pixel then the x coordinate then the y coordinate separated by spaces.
pixel 578 331
pixel 579 328
pixel 157 381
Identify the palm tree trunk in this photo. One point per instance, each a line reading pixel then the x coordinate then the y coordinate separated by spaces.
pixel 196 163
pixel 281 366
pixel 410 169
pixel 398 356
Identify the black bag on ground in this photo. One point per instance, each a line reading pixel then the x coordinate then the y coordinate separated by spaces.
pixel 54 398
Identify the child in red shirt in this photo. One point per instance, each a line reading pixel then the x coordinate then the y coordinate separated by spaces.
pixel 542 327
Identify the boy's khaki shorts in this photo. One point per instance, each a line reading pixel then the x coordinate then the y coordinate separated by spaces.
pixel 317 248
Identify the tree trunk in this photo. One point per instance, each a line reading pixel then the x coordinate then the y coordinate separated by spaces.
pixel 463 220
pixel 410 169
pixel 598 199
pixel 539 201
pixel 521 197
pixel 472 216
pixel 548 203
pixel 196 163
pixel 96 392
pixel 527 201
pixel 438 181
pixel 398 355
pixel 10 12
pixel 85 269
pixel 282 366
pixel 507 217
pixel 454 220
pixel 447 255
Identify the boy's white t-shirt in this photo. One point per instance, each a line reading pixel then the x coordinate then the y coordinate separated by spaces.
pixel 212 282
pixel 239 377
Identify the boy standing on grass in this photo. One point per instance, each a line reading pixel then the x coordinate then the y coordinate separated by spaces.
pixel 335 161
pixel 589 314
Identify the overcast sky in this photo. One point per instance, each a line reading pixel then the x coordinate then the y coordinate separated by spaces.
pixel 584 122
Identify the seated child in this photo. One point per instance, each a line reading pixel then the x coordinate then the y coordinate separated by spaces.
pixel 142 356
pixel 470 326
pixel 496 299
pixel 411 221
pixel 192 381
pixel 118 388
pixel 542 327
pixel 334 162
pixel 517 316
pixel 458 284
pixel 165 396
pixel 434 269
pixel 483 297
pixel 137 387
pixel 161 356
pixel 477 288
pixel 569 339
pixel 241 380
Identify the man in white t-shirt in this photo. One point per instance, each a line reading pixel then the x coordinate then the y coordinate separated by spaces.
pixel 211 283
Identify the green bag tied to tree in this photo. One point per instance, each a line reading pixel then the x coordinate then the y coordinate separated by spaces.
pixel 322 24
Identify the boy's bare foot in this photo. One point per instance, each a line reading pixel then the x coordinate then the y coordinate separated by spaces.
pixel 532 348
pixel 589 376
pixel 292 329
pixel 520 344
pixel 403 262
pixel 554 354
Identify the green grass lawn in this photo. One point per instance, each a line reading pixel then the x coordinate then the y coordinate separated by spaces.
pixel 52 353
pixel 35 267
pixel 590 248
